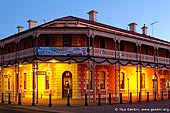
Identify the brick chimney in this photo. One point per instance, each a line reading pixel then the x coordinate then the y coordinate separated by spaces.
pixel 144 30
pixel 31 23
pixel 132 26
pixel 19 28
pixel 92 15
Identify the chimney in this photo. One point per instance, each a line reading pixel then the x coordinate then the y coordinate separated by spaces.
pixel 31 23
pixel 92 15
pixel 19 28
pixel 144 30
pixel 132 26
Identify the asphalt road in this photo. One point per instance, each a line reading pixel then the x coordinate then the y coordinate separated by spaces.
pixel 14 109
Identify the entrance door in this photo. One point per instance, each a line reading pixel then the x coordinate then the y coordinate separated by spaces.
pixel 66 84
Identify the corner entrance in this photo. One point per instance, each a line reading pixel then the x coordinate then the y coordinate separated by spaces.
pixel 66 83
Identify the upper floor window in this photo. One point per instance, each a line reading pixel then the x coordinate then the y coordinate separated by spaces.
pixel 9 49
pixel 47 41
pixel 122 45
pixel 32 42
pixel 102 42
pixel 102 78
pixel 67 40
pixel 24 44
pixel 122 80
pixel 91 41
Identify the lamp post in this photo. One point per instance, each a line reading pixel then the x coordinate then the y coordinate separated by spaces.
pixel 152 25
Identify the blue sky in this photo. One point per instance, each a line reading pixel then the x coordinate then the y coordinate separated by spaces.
pixel 118 13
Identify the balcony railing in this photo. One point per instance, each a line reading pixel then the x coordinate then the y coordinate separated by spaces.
pixel 147 58
pixel 9 57
pixel 99 52
pixel 103 53
pixel 163 60
pixel 26 53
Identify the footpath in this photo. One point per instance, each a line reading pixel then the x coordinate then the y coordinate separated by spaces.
pixel 160 106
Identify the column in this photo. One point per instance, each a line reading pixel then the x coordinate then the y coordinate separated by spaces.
pixel 17 83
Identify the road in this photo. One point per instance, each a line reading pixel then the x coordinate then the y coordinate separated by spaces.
pixel 15 109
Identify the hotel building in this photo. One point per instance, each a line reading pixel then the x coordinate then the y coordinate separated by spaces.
pixel 82 56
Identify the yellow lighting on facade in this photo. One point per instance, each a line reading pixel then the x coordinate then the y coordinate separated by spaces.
pixel 53 61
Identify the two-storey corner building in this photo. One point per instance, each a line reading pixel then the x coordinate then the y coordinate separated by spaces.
pixel 82 56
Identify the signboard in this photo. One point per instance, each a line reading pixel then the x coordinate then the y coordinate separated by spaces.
pixel 53 51
pixel 41 72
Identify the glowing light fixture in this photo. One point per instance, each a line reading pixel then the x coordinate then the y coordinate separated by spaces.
pixel 53 61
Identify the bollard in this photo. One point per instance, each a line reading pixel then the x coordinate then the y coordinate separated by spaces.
pixel 9 98
pixel 139 97
pixel 33 99
pixel 155 96
pixel 50 100
pixel 147 97
pixel 121 98
pixel 162 95
pixel 168 94
pixel 86 104
pixel 130 101
pixel 110 99
pixel 19 99
pixel 2 101
pixel 99 101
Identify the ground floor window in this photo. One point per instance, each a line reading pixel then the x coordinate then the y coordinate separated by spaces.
pixel 89 79
pixel 102 77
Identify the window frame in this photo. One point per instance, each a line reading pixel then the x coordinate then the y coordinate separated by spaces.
pixel 102 79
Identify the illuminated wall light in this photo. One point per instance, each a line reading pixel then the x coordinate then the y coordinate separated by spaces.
pixel 53 61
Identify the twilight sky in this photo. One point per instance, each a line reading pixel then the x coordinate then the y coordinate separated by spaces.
pixel 118 13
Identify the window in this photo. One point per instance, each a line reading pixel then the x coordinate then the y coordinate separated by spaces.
pixel 67 40
pixel 9 49
pixel 142 81
pixel 47 82
pixel 89 79
pixel 47 41
pixel 33 42
pixel 122 45
pixel 102 77
pixel 122 80
pixel 102 42
pixel 25 81
pixel 91 41
pixel 24 44
pixel 167 84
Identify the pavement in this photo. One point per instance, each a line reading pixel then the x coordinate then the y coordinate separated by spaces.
pixel 159 106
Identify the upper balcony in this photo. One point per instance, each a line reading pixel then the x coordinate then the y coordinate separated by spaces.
pixel 82 51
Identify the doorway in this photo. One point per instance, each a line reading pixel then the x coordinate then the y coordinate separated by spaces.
pixel 66 84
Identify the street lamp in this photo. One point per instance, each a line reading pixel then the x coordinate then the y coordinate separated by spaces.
pixel 152 25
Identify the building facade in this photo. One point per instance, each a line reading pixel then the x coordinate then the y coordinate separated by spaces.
pixel 83 57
